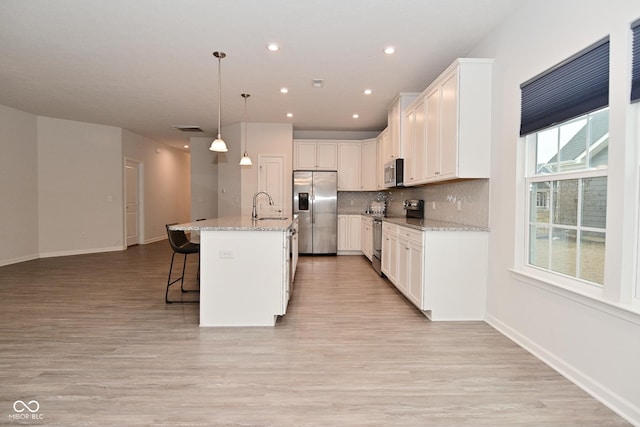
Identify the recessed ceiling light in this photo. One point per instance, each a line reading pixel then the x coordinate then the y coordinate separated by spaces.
pixel 390 50
pixel 355 116
pixel 273 47
pixel 289 115
pixel 284 90
pixel 367 91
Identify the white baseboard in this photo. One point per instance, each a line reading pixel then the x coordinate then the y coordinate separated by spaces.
pixel 607 397
pixel 80 251
pixel 17 260
pixel 155 239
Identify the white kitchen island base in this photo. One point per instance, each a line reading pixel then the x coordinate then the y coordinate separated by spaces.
pixel 243 277
pixel 246 269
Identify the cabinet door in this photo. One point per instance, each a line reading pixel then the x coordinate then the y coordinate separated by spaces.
pixel 304 157
pixel 433 134
pixel 449 127
pixel 408 145
pixel 349 154
pixel 393 258
pixel 403 265
pixel 414 276
pixel 327 156
pixel 368 165
pixel 343 232
pixel 380 152
pixel 419 143
pixel 392 146
pixel 354 233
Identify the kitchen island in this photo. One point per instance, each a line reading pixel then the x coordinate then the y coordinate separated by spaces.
pixel 247 268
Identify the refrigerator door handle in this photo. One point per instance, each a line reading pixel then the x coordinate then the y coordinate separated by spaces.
pixel 313 204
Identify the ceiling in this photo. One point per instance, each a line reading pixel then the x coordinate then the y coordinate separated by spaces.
pixel 146 65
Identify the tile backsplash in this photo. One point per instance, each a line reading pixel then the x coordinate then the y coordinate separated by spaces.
pixel 442 201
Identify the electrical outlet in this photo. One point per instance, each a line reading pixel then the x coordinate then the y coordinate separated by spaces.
pixel 459 205
pixel 226 253
pixel 433 205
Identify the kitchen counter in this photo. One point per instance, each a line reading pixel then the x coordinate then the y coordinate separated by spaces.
pixel 236 223
pixel 429 224
pixel 246 269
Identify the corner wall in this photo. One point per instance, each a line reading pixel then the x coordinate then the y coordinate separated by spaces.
pixel 18 186
pixel 79 187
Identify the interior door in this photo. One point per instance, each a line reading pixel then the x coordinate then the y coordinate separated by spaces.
pixel 271 180
pixel 132 205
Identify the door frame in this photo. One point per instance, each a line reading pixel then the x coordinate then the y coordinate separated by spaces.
pixel 140 177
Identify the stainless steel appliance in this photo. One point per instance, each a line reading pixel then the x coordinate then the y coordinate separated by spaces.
pixel 315 201
pixel 376 258
pixel 394 173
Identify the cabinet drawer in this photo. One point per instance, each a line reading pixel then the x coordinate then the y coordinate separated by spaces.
pixel 410 234
pixel 389 228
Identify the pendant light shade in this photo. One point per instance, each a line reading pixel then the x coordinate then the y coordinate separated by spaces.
pixel 218 144
pixel 245 160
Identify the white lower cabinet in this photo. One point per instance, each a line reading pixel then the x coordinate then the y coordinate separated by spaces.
pixel 390 251
pixel 349 234
pixel 442 272
pixel 366 237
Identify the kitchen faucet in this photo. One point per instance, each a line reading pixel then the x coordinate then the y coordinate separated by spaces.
pixel 254 211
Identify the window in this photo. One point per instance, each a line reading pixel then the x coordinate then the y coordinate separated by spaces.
pixel 565 125
pixel 567 184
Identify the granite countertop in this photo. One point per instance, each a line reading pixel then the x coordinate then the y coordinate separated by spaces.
pixel 431 224
pixel 236 223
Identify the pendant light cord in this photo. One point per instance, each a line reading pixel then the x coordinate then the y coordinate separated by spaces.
pixel 219 91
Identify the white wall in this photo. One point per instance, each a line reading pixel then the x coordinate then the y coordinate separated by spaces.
pixel 79 187
pixel 595 344
pixel 166 187
pixel 229 177
pixel 18 186
pixel 204 179
pixel 267 139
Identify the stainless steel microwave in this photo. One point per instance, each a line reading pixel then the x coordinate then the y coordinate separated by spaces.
pixel 394 173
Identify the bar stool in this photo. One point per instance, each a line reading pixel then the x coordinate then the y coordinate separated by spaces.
pixel 180 245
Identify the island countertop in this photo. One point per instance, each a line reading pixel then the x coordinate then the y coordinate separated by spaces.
pixel 236 223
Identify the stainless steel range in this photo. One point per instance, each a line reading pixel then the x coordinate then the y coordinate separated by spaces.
pixel 376 258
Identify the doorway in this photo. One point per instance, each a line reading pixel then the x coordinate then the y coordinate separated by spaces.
pixel 132 202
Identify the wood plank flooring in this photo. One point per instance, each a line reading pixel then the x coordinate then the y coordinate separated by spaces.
pixel 91 340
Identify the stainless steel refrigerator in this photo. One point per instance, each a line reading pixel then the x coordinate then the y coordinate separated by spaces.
pixel 315 201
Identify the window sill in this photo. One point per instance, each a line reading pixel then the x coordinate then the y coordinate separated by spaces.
pixel 588 297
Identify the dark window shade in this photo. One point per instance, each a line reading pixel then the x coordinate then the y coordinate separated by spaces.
pixel 570 89
pixel 635 67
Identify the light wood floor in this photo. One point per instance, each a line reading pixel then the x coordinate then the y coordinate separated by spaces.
pixel 91 340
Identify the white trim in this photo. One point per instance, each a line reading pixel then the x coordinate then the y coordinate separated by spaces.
pixel 156 239
pixel 81 251
pixel 603 394
pixel 18 260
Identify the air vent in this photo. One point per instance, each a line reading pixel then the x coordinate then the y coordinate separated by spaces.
pixel 317 83
pixel 188 128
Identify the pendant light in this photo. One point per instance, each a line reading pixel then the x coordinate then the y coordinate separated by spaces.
pixel 245 160
pixel 218 144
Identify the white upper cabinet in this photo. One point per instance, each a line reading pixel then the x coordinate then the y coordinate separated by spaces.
pixel 369 165
pixel 315 155
pixel 392 148
pixel 349 159
pixel 451 122
pixel 414 143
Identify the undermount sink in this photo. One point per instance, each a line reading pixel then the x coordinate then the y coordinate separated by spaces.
pixel 272 218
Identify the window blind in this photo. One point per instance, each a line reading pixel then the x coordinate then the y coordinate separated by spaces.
pixel 635 64
pixel 570 89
